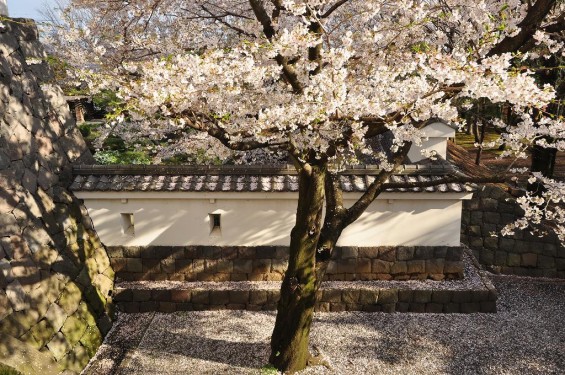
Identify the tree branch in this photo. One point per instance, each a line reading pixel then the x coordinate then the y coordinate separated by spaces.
pixel 263 18
pixel 315 52
pixel 220 19
pixel 443 181
pixel 528 26
pixel 333 8
pixel 201 122
pixel 277 4
pixel 288 71
pixel 557 26
pixel 375 188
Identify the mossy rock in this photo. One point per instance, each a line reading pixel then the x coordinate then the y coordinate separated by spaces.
pixel 71 298
pixel 73 329
pixel 91 340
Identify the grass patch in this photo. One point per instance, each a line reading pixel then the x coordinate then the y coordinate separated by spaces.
pixel 269 369
pixel 468 140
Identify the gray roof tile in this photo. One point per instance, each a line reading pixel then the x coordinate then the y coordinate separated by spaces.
pixel 249 179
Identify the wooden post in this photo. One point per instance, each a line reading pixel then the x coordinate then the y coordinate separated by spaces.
pixel 79 112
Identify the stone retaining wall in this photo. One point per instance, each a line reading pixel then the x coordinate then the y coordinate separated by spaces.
pixel 55 276
pixel 521 254
pixel 330 299
pixel 268 263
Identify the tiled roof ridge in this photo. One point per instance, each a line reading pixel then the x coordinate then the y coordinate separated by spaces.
pixel 166 170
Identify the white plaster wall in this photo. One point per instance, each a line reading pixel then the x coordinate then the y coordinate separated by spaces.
pixel 406 222
pixel 3 7
pixel 430 144
pixel 439 129
pixel 168 219
pixel 437 134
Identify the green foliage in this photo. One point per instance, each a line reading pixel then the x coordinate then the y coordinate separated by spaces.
pixel 420 47
pixel 106 100
pixel 199 157
pixel 115 144
pixel 117 157
pixel 7 370
pixel 269 369
pixel 85 130
pixel 61 78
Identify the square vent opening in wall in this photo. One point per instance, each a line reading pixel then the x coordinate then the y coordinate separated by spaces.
pixel 215 224
pixel 127 224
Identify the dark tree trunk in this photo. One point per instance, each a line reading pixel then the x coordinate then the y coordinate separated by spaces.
pixel 290 339
pixel 543 161
pixel 479 132
pixel 311 247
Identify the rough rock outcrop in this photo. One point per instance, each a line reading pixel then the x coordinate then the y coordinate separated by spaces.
pixel 55 276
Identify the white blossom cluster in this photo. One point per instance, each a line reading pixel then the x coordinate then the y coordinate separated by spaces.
pixel 214 73
pixel 547 205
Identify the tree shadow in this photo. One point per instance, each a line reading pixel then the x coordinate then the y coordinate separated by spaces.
pixel 525 336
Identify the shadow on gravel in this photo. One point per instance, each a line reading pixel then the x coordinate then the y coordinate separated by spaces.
pixel 238 354
pixel 526 336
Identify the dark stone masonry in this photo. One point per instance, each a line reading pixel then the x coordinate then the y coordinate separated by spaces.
pixel 522 254
pixel 55 276
pixel 330 299
pixel 473 294
pixel 268 263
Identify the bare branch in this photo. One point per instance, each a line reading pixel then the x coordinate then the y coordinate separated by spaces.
pixel 225 23
pixel 333 8
pixel 375 188
pixel 263 18
pixel 277 8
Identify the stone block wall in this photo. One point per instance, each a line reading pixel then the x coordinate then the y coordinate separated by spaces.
pixel 268 263
pixel 334 298
pixel 55 275
pixel 521 254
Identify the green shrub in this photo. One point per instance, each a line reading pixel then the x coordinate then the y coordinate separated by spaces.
pixel 85 130
pixel 117 157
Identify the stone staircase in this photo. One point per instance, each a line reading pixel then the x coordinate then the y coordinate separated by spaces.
pixel 474 293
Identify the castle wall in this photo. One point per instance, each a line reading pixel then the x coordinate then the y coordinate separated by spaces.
pixel 55 275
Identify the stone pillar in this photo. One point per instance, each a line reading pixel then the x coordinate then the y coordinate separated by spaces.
pixel 3 7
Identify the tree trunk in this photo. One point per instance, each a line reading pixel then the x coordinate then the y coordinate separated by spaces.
pixel 480 134
pixel 290 339
pixel 543 161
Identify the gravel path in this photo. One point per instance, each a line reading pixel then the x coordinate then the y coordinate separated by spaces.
pixel 526 336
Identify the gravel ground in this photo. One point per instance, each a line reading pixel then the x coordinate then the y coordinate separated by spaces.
pixel 526 336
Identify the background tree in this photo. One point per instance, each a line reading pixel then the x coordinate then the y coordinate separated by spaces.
pixel 313 81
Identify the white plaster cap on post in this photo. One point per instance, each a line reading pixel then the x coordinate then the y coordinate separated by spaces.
pixel 3 7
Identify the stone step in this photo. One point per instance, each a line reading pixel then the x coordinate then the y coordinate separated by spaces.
pixel 474 293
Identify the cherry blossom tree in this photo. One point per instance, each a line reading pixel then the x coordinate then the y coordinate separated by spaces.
pixel 313 80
